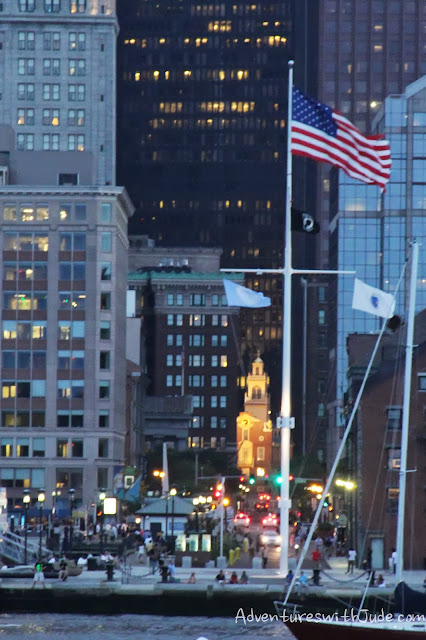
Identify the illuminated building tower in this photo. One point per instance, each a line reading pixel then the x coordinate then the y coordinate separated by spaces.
pixel 63 247
pixel 254 426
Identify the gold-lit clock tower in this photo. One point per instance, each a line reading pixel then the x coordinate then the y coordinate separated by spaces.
pixel 254 427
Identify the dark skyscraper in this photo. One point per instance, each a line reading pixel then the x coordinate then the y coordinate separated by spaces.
pixel 202 110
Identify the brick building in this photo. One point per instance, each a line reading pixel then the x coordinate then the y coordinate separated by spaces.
pixel 375 449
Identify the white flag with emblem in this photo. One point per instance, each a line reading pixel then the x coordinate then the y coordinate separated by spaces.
pixel 372 300
pixel 238 296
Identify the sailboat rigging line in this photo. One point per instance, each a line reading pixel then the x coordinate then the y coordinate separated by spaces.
pixel 340 451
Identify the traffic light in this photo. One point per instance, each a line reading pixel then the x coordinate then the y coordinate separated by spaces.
pixel 218 491
pixel 242 478
pixel 252 479
pixel 278 479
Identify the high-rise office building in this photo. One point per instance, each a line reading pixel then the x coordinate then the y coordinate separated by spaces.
pixel 190 335
pixel 368 49
pixel 202 109
pixel 63 244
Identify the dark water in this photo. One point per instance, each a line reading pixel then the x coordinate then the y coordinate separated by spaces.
pixel 47 626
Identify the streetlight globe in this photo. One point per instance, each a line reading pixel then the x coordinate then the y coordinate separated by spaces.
pixel 226 502
pixel 26 499
pixel 173 492
pixel 41 496
pixel 102 496
pixel 195 501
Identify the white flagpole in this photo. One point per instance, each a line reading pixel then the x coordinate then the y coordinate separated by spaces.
pixel 284 420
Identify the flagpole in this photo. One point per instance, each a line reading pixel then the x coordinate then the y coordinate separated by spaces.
pixel 284 420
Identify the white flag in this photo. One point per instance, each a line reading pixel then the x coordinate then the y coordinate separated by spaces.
pixel 238 296
pixel 372 300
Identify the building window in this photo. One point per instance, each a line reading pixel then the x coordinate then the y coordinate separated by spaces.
pixel 213 402
pixel 6 447
pixel 52 6
pixel 170 320
pixel 50 142
pixel 26 6
pixel 105 360
pixel 214 381
pixel 103 448
pixel 179 299
pixel 25 91
pixel 222 423
pixel 26 66
pixel 26 40
pixel 39 447
pixel 213 422
pixel 62 448
pixel 179 320
pixel 197 320
pixel 224 321
pixel 392 500
pixel 169 360
pixel 170 337
pixel 106 207
pixel 104 389
pixel 260 453
pixel 106 242
pixel 76 117
pixel 256 393
pixel 103 419
pixel 215 340
pixel 76 92
pixel 422 382
pixel 222 402
pixel 321 316
pixel 51 117
pixel 77 6
pixel 25 142
pixel 197 300
pixel 169 381
pixel 51 67
pixel 394 418
pixel 394 459
pixel 51 91
pixel 214 361
pixel 76 142
pixel 76 67
pixel 105 330
pixel 223 361
pixel 223 341
pixel 245 434
pixel 77 448
pixel 105 301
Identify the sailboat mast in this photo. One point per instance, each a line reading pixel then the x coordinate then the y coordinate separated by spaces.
pixel 406 413
pixel 284 420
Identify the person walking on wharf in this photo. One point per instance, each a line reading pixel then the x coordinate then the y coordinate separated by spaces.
pixel 351 560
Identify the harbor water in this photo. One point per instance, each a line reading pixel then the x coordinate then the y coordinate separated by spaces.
pixel 47 626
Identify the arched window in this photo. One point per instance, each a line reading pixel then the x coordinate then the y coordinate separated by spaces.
pixel 256 394
pixel 256 372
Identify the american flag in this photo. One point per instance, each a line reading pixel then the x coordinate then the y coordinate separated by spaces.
pixel 320 133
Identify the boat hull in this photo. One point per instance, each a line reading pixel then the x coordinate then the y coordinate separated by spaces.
pixel 305 630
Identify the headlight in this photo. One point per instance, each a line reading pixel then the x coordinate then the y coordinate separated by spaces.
pixel 278 538
pixel 264 539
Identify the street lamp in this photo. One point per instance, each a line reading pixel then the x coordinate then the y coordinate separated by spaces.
pixel 71 493
pixel 102 496
pixel 26 500
pixel 41 498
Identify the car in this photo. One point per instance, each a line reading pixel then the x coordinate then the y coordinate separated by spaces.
pixel 270 538
pixel 271 520
pixel 242 519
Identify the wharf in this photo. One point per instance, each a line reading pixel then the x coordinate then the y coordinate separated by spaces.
pixel 90 592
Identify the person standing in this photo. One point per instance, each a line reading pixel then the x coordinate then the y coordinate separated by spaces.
pixel 39 575
pixel 351 560
pixel 264 558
